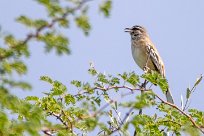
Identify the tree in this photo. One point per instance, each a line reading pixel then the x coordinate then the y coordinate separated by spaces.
pixel 90 108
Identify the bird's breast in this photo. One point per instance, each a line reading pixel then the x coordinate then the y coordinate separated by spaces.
pixel 139 55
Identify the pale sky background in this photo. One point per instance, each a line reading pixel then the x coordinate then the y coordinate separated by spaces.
pixel 176 28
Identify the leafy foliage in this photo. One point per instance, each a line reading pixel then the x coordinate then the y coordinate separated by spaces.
pixel 55 41
pixel 30 117
pixel 156 79
pixel 86 107
pixel 38 23
pixel 17 116
pixel 80 111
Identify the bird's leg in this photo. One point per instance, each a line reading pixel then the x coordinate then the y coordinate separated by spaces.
pixel 146 69
pixel 144 85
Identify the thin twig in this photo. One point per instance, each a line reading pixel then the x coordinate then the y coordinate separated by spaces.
pixel 97 112
pixel 58 116
pixel 192 90
pixel 114 87
pixel 47 132
pixel 71 126
pixel 127 115
pixel 124 119
pixel 118 115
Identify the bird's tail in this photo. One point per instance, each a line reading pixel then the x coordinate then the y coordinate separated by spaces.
pixel 169 97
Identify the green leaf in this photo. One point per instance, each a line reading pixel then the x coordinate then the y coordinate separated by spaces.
pixel 64 23
pixel 18 84
pixel 156 79
pixel 31 98
pixel 133 79
pixel 5 53
pixel 98 101
pixel 105 7
pixel 76 83
pixel 188 92
pixel 10 40
pixel 4 120
pixel 92 71
pixel 45 2
pixel 46 79
pixel 146 99
pixel 56 42
pixel 145 125
pixel 190 130
pixel 69 99
pixel 102 78
pixel 58 88
pixel 39 23
pixel 114 81
pixel 25 20
pixel 16 46
pixel 17 66
pixel 124 76
pixel 53 7
pixel 88 124
pixel 197 115
pixel 87 87
pixel 198 80
pixel 116 105
pixel 82 22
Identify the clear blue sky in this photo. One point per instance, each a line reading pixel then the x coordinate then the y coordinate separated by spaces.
pixel 176 28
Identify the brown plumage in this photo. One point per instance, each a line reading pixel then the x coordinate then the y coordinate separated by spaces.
pixel 145 53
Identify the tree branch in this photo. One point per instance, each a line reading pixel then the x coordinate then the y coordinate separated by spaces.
pixel 182 112
pixel 58 116
pixel 30 36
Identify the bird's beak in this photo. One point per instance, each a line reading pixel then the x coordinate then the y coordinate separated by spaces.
pixel 128 30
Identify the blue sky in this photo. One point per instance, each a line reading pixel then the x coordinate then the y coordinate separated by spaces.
pixel 175 27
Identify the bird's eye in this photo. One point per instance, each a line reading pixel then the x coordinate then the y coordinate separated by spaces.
pixel 134 28
pixel 135 35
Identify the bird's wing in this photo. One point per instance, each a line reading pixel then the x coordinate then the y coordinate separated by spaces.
pixel 156 60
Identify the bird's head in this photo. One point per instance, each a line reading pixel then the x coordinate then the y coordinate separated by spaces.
pixel 136 31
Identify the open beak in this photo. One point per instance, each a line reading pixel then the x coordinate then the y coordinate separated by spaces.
pixel 128 30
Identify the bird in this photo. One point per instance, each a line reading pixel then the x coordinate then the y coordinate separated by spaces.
pixel 146 55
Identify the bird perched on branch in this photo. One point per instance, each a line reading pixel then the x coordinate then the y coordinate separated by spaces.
pixel 145 53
